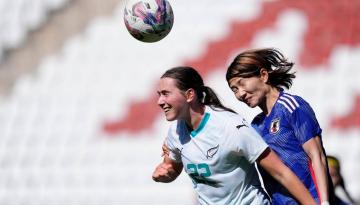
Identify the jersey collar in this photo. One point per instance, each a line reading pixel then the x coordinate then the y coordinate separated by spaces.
pixel 202 125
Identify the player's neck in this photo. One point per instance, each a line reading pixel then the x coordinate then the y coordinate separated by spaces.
pixel 270 100
pixel 197 113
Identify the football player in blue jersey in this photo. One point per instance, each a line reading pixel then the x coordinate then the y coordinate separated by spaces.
pixel 215 146
pixel 287 122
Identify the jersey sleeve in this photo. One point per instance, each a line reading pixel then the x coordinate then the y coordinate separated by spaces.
pixel 174 152
pixel 304 123
pixel 248 143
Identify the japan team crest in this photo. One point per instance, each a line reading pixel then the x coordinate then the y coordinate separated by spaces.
pixel 275 126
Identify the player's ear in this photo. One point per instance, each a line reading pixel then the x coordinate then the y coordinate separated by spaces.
pixel 264 75
pixel 190 95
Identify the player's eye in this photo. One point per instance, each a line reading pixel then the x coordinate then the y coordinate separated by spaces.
pixel 165 93
pixel 234 89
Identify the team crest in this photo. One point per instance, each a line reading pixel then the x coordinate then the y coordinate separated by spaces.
pixel 212 151
pixel 275 126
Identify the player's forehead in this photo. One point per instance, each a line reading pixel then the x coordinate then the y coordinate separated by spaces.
pixel 167 84
pixel 235 80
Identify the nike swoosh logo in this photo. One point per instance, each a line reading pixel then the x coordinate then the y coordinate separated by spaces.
pixel 240 126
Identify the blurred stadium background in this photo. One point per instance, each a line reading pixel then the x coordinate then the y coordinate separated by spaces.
pixel 78 117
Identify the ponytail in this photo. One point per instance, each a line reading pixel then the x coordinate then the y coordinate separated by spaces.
pixel 210 98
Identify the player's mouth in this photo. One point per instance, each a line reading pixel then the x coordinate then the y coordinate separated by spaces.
pixel 247 100
pixel 166 109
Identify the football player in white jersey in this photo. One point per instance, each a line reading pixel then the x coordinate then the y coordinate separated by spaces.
pixel 215 146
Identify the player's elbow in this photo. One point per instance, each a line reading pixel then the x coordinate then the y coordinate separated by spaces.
pixel 165 178
pixel 165 172
pixel 162 180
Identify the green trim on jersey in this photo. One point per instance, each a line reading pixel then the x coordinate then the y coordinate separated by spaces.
pixel 201 126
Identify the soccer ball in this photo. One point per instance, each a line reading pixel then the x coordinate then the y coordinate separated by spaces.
pixel 148 20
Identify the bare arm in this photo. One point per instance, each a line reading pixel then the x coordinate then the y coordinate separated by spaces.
pixel 277 169
pixel 314 150
pixel 168 170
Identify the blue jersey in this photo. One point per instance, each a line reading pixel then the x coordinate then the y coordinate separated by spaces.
pixel 290 124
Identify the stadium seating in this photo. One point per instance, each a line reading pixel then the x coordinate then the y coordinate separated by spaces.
pixel 53 146
pixel 20 16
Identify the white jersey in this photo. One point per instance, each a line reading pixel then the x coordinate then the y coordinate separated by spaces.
pixel 219 157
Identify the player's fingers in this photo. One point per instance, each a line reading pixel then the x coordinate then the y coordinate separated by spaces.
pixel 165 150
pixel 162 170
pixel 166 166
pixel 157 174
pixel 160 175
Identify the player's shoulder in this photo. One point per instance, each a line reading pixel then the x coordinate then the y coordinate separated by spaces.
pixel 259 117
pixel 229 122
pixel 291 102
pixel 223 116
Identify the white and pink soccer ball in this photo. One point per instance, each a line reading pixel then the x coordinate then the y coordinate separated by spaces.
pixel 148 20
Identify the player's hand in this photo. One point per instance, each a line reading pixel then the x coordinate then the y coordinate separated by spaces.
pixel 165 150
pixel 164 172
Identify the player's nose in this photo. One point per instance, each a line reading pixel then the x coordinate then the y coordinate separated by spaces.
pixel 240 95
pixel 161 101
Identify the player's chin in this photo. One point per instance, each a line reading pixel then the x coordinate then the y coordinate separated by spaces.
pixel 170 116
pixel 251 104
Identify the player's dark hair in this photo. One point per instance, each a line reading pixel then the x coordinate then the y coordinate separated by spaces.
pixel 249 63
pixel 188 77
